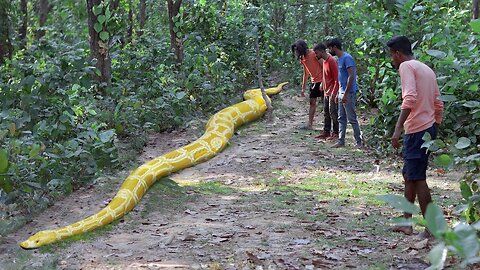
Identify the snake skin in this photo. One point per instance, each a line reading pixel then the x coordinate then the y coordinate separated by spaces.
pixel 218 131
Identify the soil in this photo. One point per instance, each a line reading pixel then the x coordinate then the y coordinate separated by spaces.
pixel 243 209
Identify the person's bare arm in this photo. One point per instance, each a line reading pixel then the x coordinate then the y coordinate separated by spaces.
pixel 399 127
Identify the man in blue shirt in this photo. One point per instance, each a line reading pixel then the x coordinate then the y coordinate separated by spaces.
pixel 347 93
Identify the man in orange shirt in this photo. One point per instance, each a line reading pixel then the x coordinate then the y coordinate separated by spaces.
pixel 421 112
pixel 313 68
pixel 330 89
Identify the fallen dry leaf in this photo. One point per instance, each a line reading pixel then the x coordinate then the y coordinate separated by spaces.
pixel 253 258
pixel 301 242
pixel 421 245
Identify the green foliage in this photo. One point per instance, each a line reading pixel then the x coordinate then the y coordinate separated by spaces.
pixel 399 202
pixel 461 240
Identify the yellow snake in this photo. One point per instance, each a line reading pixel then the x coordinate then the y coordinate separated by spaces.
pixel 218 131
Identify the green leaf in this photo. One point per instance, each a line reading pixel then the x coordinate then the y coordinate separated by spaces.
pixel 473 87
pixel 443 160
pixel 101 19
pixel 34 151
pixel 471 104
pixel 108 15
pixel 106 136
pixel 448 98
pixel 6 184
pixel 463 143
pixel 436 223
pixel 419 8
pixel 437 257
pixel 3 133
pixel 358 41
pixel 180 95
pixel 96 10
pixel 399 203
pixel 436 53
pixel 475 25
pixel 466 241
pixel 98 27
pixel 466 190
pixel 427 140
pixel 3 161
pixel 104 35
pixel 476 225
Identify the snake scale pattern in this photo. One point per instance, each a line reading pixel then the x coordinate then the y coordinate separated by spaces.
pixel 219 129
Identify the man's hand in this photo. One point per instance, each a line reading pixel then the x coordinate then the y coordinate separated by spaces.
pixel 344 98
pixel 302 94
pixel 396 139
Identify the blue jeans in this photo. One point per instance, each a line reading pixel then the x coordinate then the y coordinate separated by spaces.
pixel 346 111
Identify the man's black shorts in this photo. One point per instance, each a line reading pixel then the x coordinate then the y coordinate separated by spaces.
pixel 414 156
pixel 315 90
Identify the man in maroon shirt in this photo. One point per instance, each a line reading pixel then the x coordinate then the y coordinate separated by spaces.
pixel 330 88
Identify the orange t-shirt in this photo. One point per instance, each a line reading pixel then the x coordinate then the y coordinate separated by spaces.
pixel 420 94
pixel 313 66
pixel 330 77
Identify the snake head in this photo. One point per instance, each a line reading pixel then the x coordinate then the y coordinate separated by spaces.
pixel 39 239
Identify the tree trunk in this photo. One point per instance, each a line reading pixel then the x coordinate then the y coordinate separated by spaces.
pixel 43 10
pixel 130 23
pixel 175 41
pixel 269 112
pixel 475 9
pixel 142 16
pixel 302 21
pixel 278 17
pixel 22 31
pixel 326 27
pixel 99 49
pixel 5 44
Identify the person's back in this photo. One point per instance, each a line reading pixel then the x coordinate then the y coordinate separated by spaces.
pixel 419 92
pixel 344 62
pixel 313 66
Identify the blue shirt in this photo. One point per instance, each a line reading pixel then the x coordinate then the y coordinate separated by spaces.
pixel 344 63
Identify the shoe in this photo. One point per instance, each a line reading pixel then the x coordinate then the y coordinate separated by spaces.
pixel 323 135
pixel 359 146
pixel 338 145
pixel 333 137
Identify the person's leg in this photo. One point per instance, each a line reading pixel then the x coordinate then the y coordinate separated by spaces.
pixel 423 194
pixel 311 111
pixel 352 119
pixel 326 113
pixel 342 121
pixel 410 194
pixel 333 115
pixel 325 133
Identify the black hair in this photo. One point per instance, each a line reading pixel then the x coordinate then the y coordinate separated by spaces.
pixel 300 48
pixel 320 47
pixel 334 42
pixel 401 44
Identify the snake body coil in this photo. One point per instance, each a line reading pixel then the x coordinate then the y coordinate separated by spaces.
pixel 218 131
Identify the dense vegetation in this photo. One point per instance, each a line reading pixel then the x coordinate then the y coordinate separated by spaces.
pixel 78 76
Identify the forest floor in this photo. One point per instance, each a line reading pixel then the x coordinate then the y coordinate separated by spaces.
pixel 275 198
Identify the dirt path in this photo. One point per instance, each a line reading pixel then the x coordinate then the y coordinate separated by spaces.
pixel 273 199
